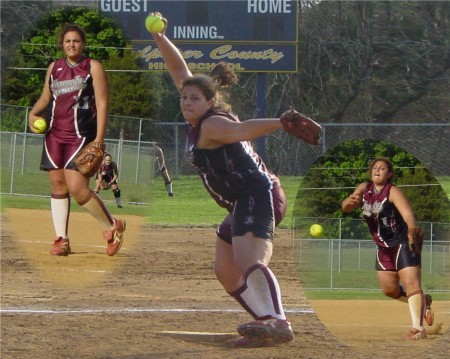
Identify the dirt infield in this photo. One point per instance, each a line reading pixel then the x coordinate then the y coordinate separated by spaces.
pixel 158 298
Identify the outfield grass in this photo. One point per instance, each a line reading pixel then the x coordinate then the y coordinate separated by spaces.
pixel 190 206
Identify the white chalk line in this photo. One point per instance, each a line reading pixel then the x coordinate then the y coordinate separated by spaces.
pixel 27 311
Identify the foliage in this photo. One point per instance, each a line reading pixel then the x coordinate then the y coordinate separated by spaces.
pixel 12 120
pixel 359 61
pixel 367 61
pixel 134 93
pixel 104 39
pixel 335 175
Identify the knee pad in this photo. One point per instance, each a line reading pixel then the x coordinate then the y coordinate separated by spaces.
pixel 116 193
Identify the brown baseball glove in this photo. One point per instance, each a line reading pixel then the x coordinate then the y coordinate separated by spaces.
pixel 415 239
pixel 301 126
pixel 105 185
pixel 89 159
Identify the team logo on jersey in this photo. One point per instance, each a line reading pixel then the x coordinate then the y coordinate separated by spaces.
pixel 249 220
pixel 60 87
pixel 369 209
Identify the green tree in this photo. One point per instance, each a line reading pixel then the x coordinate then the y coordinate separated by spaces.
pixel 335 175
pixel 104 39
pixel 134 93
pixel 369 61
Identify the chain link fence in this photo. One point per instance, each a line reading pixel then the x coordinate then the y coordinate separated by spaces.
pixel 130 142
pixel 21 156
pixel 344 256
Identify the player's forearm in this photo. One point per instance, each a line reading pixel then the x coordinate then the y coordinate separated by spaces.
pixel 348 206
pixel 173 58
pixel 102 121
pixel 39 107
pixel 255 128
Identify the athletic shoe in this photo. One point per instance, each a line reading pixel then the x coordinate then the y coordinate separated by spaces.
pixel 170 194
pixel 249 342
pixel 429 315
pixel 114 237
pixel 60 247
pixel 118 202
pixel 264 333
pixel 416 334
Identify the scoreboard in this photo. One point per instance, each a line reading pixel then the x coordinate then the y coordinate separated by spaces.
pixel 252 35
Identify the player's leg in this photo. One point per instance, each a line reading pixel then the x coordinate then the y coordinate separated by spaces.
pixel 389 282
pixel 409 268
pixel 116 191
pixel 390 286
pixel 60 209
pixel 167 180
pixel 246 276
pixel 410 277
pixel 243 268
pixel 97 186
pixel 260 294
pixel 260 291
pixel 53 161
pixel 113 228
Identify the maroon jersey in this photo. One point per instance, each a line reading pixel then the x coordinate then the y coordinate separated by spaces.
pixel 230 171
pixel 386 225
pixel 108 171
pixel 73 111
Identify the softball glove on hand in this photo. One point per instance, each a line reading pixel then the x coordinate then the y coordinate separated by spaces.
pixel 105 185
pixel 415 239
pixel 89 159
pixel 301 126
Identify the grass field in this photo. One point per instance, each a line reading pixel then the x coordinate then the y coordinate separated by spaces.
pixel 191 205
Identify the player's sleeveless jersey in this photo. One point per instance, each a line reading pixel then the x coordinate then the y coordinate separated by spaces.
pixel 73 111
pixel 385 223
pixel 230 171
pixel 108 171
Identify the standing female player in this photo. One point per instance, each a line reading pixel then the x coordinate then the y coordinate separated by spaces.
pixel 389 216
pixel 107 178
pixel 238 180
pixel 76 88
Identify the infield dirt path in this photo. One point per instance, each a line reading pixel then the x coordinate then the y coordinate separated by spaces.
pixel 89 305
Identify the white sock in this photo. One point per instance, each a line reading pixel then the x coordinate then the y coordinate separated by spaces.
pixel 260 295
pixel 416 303
pixel 60 214
pixel 97 209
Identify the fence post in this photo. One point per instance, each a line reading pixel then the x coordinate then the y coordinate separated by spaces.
pixel 431 247
pixel 24 147
pixel 138 156
pixel 13 161
pixel 176 152
pixel 26 120
pixel 340 245
pixel 331 263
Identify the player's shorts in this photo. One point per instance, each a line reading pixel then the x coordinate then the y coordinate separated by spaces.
pixel 107 178
pixel 396 258
pixel 59 153
pixel 256 214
